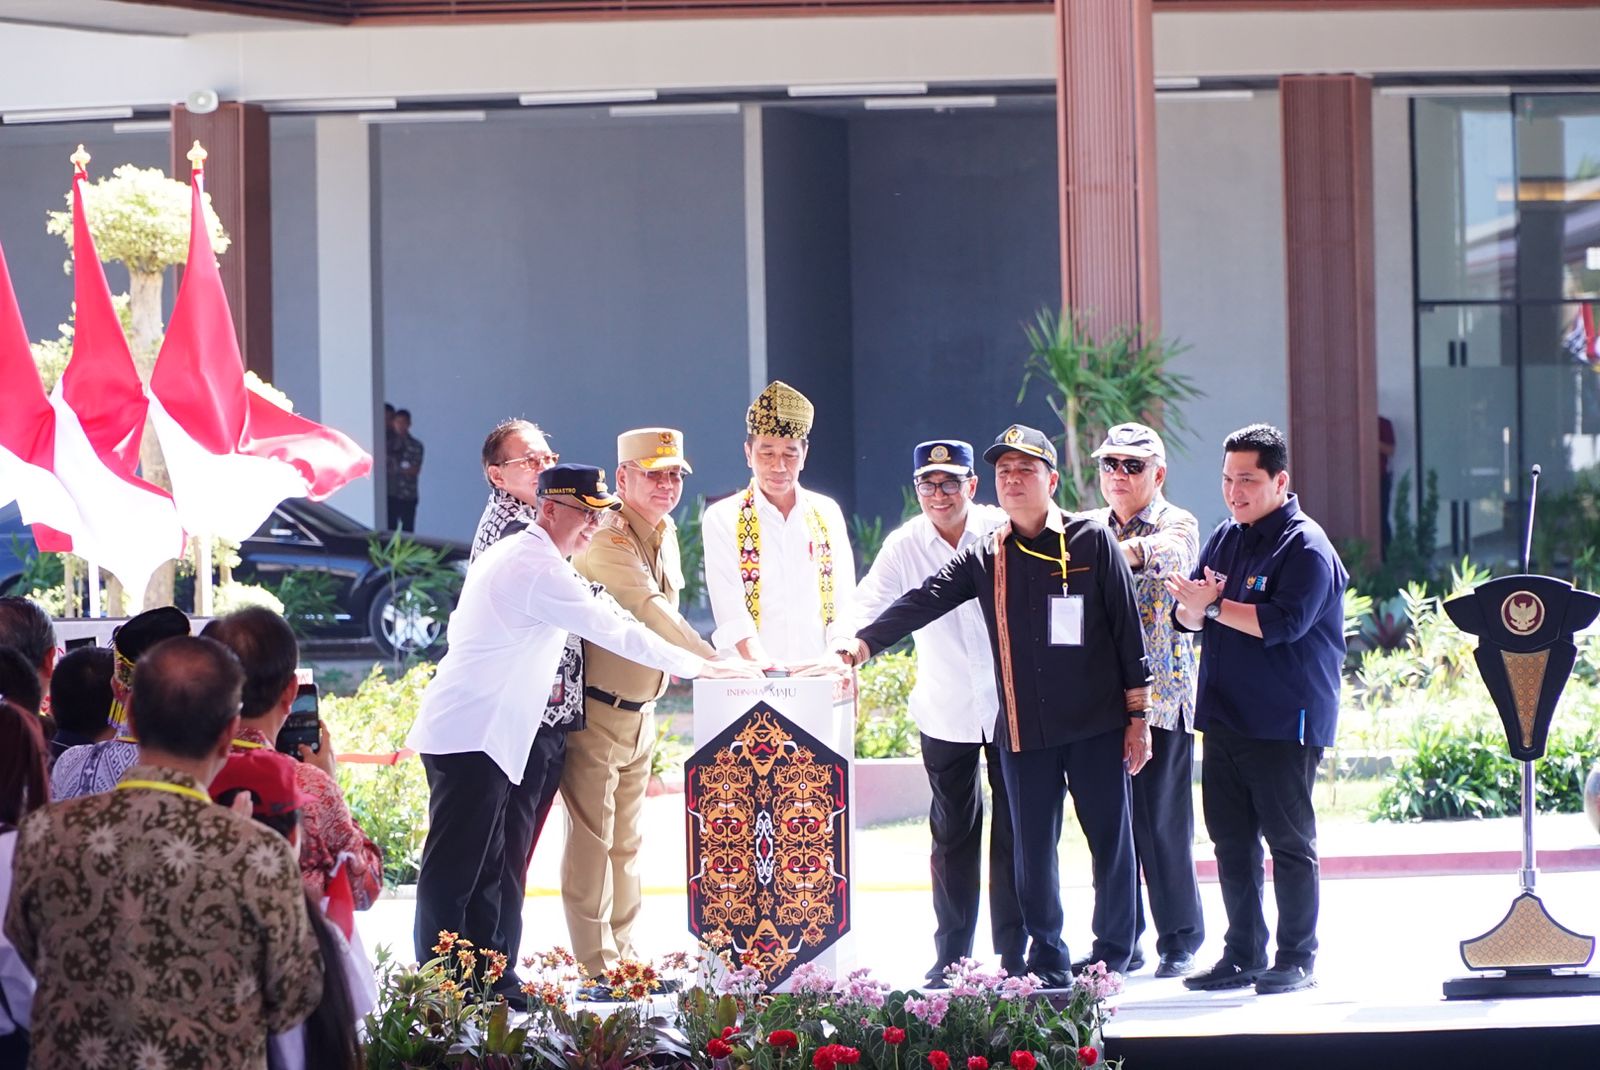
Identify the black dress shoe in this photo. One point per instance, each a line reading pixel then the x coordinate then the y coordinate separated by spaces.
pixel 1014 967
pixel 1284 979
pixel 1135 963
pixel 1225 974
pixel 932 983
pixel 1177 964
pixel 1054 978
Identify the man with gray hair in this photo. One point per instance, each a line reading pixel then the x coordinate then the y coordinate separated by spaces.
pixel 1159 539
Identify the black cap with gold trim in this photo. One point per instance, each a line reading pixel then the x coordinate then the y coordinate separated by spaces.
pixel 581 482
pixel 1029 440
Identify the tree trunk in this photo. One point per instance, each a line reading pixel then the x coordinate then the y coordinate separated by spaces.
pixel 144 338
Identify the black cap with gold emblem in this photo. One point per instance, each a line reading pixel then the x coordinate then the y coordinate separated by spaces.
pixel 580 482
pixel 1028 440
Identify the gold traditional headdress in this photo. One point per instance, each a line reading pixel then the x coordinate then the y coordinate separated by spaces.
pixel 780 411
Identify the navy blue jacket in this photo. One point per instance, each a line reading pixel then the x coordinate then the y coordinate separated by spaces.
pixel 1284 685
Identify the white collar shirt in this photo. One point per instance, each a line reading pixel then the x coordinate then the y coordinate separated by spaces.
pixel 520 600
pixel 791 600
pixel 954 698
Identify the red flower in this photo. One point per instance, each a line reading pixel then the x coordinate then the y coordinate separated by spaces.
pixel 847 1056
pixel 938 1060
pixel 1023 1060
pixel 718 1048
pixel 783 1038
pixel 1088 1056
pixel 831 1055
pixel 977 1062
pixel 822 1058
pixel 728 1032
pixel 893 1034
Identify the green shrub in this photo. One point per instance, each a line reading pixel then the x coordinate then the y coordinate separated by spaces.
pixel 390 802
pixel 1457 772
pixel 884 728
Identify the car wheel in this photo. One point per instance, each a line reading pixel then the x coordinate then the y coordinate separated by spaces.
pixel 402 621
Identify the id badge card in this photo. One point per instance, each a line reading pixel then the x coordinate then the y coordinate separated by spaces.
pixel 1066 620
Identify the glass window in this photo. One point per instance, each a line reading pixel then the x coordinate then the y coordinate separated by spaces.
pixel 1465 208
pixel 1558 194
pixel 1560 391
pixel 1470 438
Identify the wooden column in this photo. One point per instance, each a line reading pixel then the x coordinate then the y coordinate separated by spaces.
pixel 1328 256
pixel 1105 139
pixel 238 177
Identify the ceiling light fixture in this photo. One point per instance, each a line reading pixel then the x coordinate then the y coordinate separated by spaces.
pixel 143 126
pixel 712 107
pixel 585 96
pixel 860 89
pixel 333 104
pixel 64 115
pixel 928 103
pixel 382 118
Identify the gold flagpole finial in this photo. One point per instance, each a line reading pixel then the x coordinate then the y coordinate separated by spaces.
pixel 80 160
pixel 197 157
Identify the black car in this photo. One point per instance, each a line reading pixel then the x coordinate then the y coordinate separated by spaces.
pixel 327 556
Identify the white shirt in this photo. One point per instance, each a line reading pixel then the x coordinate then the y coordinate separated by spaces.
pixel 14 976
pixel 520 600
pixel 791 602
pixel 954 698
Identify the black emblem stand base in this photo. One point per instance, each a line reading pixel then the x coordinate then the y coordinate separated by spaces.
pixel 1514 983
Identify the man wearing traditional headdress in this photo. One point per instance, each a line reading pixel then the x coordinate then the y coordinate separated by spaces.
pixel 779 567
pixel 96 767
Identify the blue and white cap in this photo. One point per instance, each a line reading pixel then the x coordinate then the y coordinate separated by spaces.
pixel 942 455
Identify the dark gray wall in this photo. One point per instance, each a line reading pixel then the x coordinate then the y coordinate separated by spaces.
pixel 35 177
pixel 806 162
pixel 295 368
pixel 953 236
pixel 585 272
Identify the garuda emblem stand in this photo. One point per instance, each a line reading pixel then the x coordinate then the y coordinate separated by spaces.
pixel 1525 626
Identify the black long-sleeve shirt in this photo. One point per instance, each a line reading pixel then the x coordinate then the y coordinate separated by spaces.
pixel 1056 694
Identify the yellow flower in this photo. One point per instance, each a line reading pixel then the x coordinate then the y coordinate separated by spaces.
pixel 447 940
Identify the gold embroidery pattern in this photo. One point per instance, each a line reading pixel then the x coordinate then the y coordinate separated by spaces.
pixel 769 840
pixel 747 532
pixel 1527 936
pixel 1526 673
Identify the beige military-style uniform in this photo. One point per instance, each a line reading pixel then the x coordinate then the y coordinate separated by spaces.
pixel 608 762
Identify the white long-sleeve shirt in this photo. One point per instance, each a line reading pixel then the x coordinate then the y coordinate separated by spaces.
pixel 14 976
pixel 954 698
pixel 520 600
pixel 791 601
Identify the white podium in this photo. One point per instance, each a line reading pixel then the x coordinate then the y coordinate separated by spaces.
pixel 770 832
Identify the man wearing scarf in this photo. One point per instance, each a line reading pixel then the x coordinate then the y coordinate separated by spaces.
pixel 779 568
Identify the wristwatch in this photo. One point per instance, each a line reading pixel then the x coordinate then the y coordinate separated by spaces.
pixel 1214 609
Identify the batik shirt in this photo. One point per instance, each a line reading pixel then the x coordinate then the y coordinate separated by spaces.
pixel 163 930
pixel 91 768
pixel 1169 539
pixel 328 833
pixel 405 457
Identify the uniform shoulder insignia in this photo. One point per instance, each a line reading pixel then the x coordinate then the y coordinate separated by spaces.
pixel 621 542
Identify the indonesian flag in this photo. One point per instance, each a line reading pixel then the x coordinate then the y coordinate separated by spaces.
pixel 232 454
pixel 125 525
pixel 27 427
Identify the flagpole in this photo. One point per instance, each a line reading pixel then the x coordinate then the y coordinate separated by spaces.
pixel 202 574
pixel 93 579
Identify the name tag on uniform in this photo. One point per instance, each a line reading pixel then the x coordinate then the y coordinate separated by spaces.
pixel 1066 620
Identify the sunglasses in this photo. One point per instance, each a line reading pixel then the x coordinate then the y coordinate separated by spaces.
pixel 540 461
pixel 1131 465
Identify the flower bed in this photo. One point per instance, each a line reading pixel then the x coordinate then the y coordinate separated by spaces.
pixel 721 1018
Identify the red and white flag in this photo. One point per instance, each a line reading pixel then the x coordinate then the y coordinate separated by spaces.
pixel 126 525
pixel 27 428
pixel 232 454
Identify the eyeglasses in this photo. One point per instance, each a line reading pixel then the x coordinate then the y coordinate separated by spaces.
pixel 539 461
pixel 927 488
pixel 591 517
pixel 1131 465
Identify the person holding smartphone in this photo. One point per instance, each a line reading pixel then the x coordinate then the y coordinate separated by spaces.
pixel 267 649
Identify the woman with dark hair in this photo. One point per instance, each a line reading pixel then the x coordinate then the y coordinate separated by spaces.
pixel 24 787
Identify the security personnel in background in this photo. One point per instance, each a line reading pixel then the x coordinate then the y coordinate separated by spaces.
pixel 1060 607
pixel 635 556
pixel 1269 594
pixel 1159 539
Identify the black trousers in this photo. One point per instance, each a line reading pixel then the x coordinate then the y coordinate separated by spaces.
pixel 481 834
pixel 1255 788
pixel 402 514
pixel 1036 783
pixel 955 818
pixel 1163 844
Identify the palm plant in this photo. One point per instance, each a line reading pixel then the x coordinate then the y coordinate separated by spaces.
pixel 1094 383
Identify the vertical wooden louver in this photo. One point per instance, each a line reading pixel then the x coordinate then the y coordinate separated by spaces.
pixel 238 177
pixel 1329 277
pixel 1106 159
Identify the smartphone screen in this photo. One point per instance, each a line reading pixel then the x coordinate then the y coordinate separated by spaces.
pixel 304 724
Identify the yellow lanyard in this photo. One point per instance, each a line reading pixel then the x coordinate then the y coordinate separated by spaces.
pixel 127 739
pixel 246 744
pixel 1045 557
pixel 162 785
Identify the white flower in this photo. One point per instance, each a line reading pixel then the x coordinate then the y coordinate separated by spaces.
pixel 178 854
pixel 94 1052
pixel 102 841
